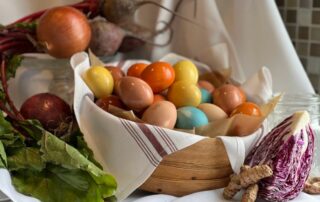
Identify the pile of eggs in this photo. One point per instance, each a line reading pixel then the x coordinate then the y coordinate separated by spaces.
pixel 167 96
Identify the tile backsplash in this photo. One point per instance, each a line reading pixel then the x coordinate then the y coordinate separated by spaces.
pixel 302 20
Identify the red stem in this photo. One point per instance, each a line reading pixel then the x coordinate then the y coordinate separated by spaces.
pixel 5 89
pixel 12 44
pixel 5 110
pixel 91 5
pixel 29 17
pixel 6 40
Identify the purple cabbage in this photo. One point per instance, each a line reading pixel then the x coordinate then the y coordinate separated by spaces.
pixel 289 153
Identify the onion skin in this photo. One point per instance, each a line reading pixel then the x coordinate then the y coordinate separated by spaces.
pixel 63 31
pixel 53 113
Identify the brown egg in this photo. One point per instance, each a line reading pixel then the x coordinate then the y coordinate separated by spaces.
pixel 135 93
pixel 116 72
pixel 212 111
pixel 206 85
pixel 161 113
pixel 104 103
pixel 228 97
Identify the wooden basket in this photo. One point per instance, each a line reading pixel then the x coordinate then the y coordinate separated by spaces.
pixel 201 166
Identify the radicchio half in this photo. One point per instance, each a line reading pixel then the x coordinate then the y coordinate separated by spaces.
pixel 288 150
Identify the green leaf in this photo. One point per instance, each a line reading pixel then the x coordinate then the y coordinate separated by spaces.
pixel 57 152
pixel 76 140
pixel 27 25
pixel 33 128
pixel 5 126
pixel 26 158
pixel 2 94
pixel 10 138
pixel 48 186
pixel 3 156
pixel 13 64
pixel 74 178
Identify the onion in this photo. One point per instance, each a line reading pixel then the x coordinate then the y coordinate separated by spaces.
pixel 63 31
pixel 53 113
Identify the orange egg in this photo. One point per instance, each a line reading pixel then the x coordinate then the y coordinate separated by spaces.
pixel 247 108
pixel 158 97
pixel 228 97
pixel 136 69
pixel 159 75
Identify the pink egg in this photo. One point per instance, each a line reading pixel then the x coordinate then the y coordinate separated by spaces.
pixel 206 85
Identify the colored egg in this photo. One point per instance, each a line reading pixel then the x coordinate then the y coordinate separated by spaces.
pixel 206 97
pixel 213 112
pixel 99 80
pixel 228 97
pixel 206 85
pixel 161 113
pixel 190 117
pixel 159 76
pixel 158 97
pixel 185 70
pixel 247 108
pixel 116 72
pixel 104 103
pixel 184 93
pixel 135 70
pixel 134 93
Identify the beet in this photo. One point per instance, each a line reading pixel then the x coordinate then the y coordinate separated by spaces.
pixel 130 43
pixel 53 113
pixel 106 37
pixel 288 151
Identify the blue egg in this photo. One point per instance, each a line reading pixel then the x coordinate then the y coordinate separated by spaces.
pixel 190 117
pixel 206 97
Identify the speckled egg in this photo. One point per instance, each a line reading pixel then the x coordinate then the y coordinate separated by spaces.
pixel 161 113
pixel 213 112
pixel 228 97
pixel 190 117
pixel 184 93
pixel 135 93
pixel 206 97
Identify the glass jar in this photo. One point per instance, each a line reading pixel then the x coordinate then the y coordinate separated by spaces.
pixel 291 103
pixel 41 73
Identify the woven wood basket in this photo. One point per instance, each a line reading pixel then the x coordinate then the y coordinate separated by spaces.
pixel 201 166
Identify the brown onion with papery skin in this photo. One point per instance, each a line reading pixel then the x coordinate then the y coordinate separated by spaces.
pixel 53 113
pixel 63 31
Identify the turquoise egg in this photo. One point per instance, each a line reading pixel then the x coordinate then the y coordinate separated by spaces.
pixel 206 97
pixel 190 117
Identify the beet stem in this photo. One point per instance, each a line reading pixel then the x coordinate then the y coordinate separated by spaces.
pixel 91 5
pixel 5 89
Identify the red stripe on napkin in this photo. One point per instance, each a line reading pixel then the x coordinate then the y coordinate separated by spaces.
pixel 169 139
pixel 155 143
pixel 140 143
pixel 164 138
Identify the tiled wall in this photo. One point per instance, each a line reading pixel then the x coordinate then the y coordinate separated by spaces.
pixel 302 19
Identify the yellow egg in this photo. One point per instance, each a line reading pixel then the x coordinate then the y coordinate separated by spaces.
pixel 185 70
pixel 99 80
pixel 184 93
